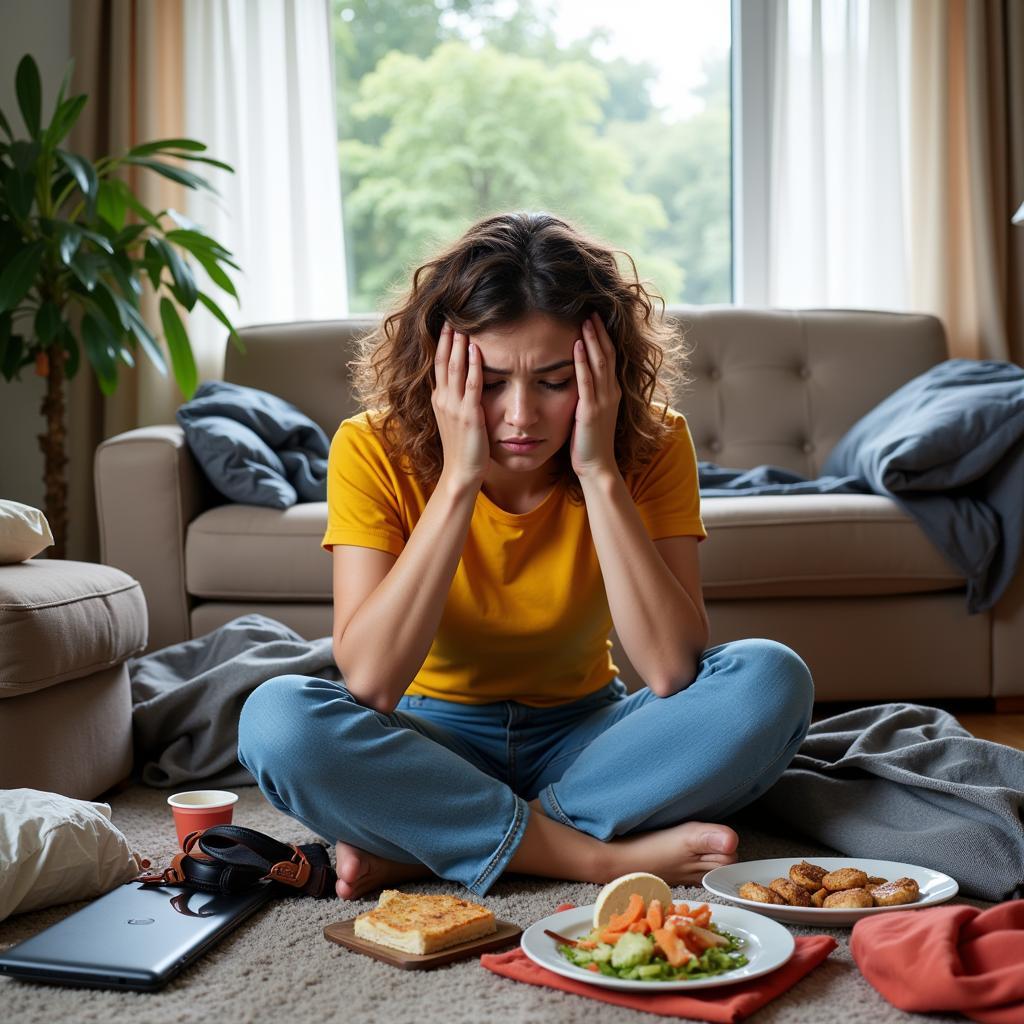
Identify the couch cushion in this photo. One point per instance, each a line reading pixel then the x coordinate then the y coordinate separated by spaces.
pixel 779 546
pixel 810 545
pixel 245 551
pixel 61 620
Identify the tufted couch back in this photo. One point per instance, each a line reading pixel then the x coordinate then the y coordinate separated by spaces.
pixel 777 387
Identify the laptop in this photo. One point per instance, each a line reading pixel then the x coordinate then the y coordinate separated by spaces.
pixel 133 937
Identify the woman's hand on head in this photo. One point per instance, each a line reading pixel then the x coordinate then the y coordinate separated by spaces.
pixel 456 400
pixel 597 409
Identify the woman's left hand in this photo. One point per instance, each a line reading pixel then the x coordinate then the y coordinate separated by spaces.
pixel 597 410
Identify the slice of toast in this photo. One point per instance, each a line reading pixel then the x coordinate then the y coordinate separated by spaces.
pixel 418 923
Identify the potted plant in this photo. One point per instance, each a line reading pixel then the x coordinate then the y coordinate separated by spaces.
pixel 75 246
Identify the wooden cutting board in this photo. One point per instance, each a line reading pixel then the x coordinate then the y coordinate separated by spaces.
pixel 343 933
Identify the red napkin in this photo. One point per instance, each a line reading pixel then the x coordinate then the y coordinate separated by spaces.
pixel 947 958
pixel 723 1004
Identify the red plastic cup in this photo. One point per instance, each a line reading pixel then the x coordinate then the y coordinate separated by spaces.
pixel 201 808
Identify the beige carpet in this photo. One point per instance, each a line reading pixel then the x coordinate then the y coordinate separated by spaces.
pixel 278 967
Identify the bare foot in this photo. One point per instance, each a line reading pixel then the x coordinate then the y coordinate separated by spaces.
pixel 681 854
pixel 360 872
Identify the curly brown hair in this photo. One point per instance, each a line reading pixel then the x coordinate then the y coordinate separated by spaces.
pixel 503 269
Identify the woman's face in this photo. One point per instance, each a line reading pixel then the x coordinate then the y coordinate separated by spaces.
pixel 535 393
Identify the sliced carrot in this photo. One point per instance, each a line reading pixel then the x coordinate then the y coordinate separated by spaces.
pixel 643 926
pixel 611 936
pixel 585 944
pixel 635 910
pixel 681 909
pixel 593 967
pixel 655 915
pixel 701 915
pixel 676 952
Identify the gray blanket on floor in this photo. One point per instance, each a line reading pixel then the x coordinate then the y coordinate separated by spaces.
pixel 186 699
pixel 890 781
pixel 909 783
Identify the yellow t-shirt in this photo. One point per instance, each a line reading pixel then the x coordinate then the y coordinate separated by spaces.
pixel 527 616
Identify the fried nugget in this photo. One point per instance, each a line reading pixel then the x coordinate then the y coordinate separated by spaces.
pixel 818 898
pixel 844 878
pixel 759 893
pixel 848 899
pixel 808 876
pixel 874 880
pixel 896 893
pixel 795 895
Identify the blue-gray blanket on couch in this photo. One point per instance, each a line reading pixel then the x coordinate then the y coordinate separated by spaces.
pixel 948 448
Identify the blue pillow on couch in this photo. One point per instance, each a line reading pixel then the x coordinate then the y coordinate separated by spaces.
pixel 255 448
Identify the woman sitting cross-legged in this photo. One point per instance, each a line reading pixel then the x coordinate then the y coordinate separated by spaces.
pixel 511 491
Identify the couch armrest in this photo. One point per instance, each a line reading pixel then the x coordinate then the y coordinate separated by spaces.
pixel 1008 641
pixel 148 489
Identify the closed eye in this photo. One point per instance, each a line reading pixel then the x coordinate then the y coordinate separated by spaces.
pixel 550 385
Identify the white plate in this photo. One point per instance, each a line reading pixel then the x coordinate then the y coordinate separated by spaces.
pixel 767 945
pixel 725 882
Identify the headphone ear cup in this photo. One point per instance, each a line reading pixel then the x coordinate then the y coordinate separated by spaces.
pixel 212 876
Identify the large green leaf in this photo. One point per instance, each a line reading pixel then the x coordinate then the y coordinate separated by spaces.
pixel 182 360
pixel 216 272
pixel 127 236
pixel 123 269
pixel 70 239
pixel 24 155
pixel 83 171
pixel 146 148
pixel 30 93
pixel 103 299
pixel 132 319
pixel 101 353
pixel 64 120
pixel 133 204
pixel 86 266
pixel 110 204
pixel 180 272
pixel 19 275
pixel 48 323
pixel 236 338
pixel 198 243
pixel 6 126
pixel 174 173
pixel 21 192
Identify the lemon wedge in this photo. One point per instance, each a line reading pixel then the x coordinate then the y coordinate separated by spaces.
pixel 614 897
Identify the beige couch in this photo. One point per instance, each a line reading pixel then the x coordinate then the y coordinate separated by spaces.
pixel 848 581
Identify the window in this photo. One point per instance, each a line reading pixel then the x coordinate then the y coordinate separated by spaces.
pixel 615 115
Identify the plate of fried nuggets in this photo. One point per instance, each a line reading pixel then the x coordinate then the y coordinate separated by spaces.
pixel 829 891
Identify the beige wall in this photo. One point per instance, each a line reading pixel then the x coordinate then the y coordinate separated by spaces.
pixel 42 28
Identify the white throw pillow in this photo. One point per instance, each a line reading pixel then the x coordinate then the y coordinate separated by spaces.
pixel 57 850
pixel 24 532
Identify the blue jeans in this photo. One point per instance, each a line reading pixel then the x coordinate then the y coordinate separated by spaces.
pixel 447 784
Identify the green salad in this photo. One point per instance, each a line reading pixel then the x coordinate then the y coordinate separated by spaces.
pixel 632 958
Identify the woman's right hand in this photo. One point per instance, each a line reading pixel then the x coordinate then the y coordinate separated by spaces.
pixel 457 409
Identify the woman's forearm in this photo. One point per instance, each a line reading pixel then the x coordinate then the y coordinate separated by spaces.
pixel 387 640
pixel 661 629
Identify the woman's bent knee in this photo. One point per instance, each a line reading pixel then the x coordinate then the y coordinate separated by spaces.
pixel 271 720
pixel 775 673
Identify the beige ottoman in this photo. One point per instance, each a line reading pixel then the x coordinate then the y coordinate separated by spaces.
pixel 66 629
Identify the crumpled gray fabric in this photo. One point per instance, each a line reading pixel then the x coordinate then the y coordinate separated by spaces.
pixel 907 782
pixel 187 698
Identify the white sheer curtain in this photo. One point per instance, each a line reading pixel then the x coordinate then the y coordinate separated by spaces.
pixel 838 189
pixel 259 91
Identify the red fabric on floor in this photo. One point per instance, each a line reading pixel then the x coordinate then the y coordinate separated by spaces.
pixel 947 958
